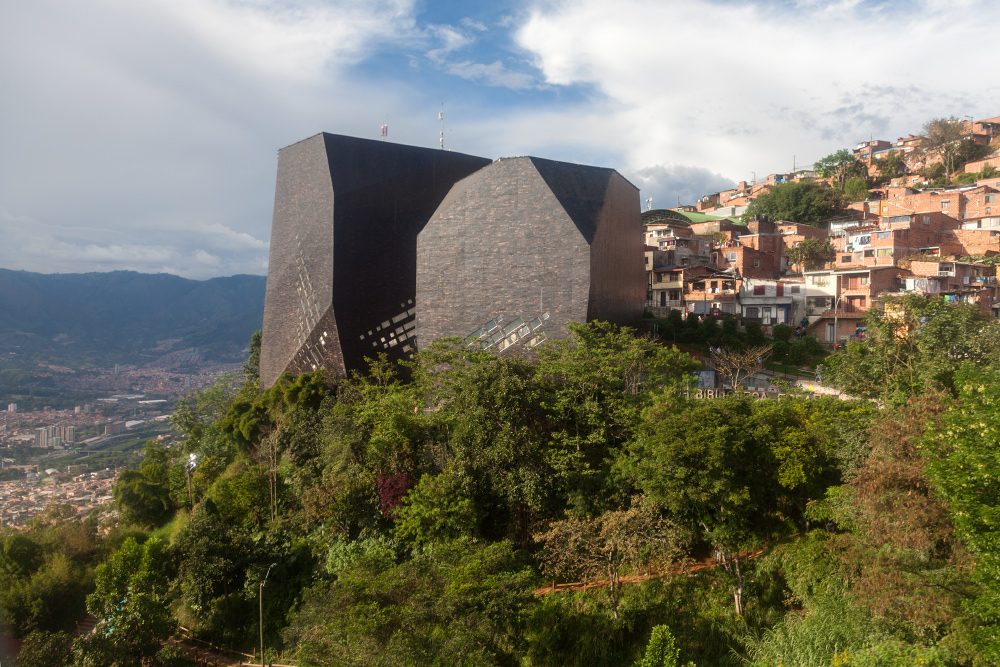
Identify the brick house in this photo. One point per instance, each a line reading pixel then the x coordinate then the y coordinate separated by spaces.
pixel 964 282
pixel 979 165
pixel 711 292
pixel 853 291
pixel 665 290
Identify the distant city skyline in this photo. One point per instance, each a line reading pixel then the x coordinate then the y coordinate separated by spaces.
pixel 144 136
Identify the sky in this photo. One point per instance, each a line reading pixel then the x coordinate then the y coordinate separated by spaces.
pixel 144 135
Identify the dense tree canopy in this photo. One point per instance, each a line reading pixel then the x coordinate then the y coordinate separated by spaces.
pixel 812 253
pixel 444 512
pixel 841 166
pixel 803 202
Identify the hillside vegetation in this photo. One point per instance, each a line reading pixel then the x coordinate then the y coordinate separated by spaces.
pixel 423 515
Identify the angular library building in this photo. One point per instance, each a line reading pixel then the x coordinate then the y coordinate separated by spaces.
pixel 341 273
pixel 375 246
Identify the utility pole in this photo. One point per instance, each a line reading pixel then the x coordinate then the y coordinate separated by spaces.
pixel 261 618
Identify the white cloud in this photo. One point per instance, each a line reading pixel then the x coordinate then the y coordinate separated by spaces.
pixel 31 245
pixel 676 184
pixel 294 39
pixel 450 40
pixel 756 85
pixel 494 74
pixel 472 24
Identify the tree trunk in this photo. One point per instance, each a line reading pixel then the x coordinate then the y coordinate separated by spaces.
pixel 614 588
pixel 738 586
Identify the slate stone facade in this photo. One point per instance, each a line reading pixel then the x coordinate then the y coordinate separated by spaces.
pixel 373 243
pixel 525 246
pixel 342 266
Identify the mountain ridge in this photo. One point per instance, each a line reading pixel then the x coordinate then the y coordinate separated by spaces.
pixel 85 320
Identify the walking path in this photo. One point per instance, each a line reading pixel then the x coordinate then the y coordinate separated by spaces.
pixel 685 567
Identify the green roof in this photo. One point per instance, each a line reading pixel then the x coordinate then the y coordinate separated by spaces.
pixel 663 215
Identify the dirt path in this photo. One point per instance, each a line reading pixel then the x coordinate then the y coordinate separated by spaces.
pixel 687 567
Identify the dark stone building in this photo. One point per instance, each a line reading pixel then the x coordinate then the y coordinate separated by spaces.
pixel 341 282
pixel 525 246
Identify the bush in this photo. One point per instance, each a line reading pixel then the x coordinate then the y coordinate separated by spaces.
pixel 782 332
pixel 754 335
pixel 804 351
pixel 46 649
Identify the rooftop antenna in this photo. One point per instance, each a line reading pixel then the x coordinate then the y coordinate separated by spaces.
pixel 441 118
pixel 649 204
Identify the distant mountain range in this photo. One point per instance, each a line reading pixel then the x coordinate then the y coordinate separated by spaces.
pixel 88 320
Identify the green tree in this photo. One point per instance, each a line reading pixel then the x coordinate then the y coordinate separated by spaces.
pixel 437 509
pixel 610 544
pixel 913 341
pixel 50 598
pixel 812 253
pixel 964 464
pixel 890 166
pixel 214 556
pixel 130 600
pixel 251 369
pixel 840 166
pixel 46 649
pixel 944 137
pixel 593 388
pixel 711 473
pixel 143 496
pixel 460 603
pixel 856 189
pixel 803 202
pixel 661 651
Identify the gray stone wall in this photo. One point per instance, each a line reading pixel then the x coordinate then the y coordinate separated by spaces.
pixel 300 264
pixel 528 246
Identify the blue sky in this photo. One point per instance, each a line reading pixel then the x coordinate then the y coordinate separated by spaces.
pixel 144 135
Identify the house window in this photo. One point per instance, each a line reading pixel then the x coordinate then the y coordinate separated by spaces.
pixel 884 252
pixel 990 199
pixel 945 203
pixel 698 287
pixel 885 235
pixel 793 289
pixel 927 219
pixel 730 256
pixel 758 290
pixel 869 253
pixel 756 261
pixel 829 332
pixel 845 259
pixel 751 312
pixel 987 210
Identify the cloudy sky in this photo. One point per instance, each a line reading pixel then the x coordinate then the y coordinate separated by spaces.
pixel 144 135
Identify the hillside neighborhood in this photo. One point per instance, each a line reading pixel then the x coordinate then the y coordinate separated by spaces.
pixel 917 215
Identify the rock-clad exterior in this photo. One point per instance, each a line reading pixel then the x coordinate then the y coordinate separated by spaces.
pixel 525 246
pixel 341 279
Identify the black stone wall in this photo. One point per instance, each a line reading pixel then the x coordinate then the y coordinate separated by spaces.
pixel 342 269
